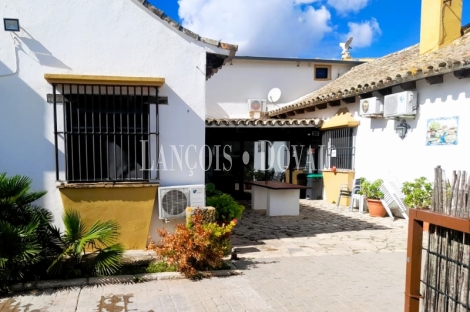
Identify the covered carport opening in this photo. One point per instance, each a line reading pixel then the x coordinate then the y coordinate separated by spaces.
pixel 261 149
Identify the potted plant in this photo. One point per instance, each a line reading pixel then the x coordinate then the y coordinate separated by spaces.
pixel 371 190
pixel 418 195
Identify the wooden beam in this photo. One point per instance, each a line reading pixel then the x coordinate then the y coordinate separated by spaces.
pixel 349 100
pixel 385 91
pixel 104 80
pixel 309 109
pixel 463 73
pixel 365 95
pixel 161 100
pixel 334 103
pixel 410 85
pixel 322 106
pixel 435 79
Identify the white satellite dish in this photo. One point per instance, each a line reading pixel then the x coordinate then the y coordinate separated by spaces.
pixel 274 95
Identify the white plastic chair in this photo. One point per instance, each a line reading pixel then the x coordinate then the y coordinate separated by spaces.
pixel 347 190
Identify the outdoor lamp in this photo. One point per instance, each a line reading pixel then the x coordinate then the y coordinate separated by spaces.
pixel 11 24
pixel 402 129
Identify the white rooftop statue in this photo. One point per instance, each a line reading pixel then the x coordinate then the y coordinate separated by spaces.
pixel 346 47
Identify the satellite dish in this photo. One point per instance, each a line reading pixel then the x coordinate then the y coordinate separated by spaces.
pixel 274 95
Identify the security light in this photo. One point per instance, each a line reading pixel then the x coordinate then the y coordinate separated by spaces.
pixel 11 24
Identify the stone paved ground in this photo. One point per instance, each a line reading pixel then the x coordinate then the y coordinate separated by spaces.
pixel 320 229
pixel 323 260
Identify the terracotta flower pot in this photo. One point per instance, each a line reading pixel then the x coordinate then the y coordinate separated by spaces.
pixel 376 209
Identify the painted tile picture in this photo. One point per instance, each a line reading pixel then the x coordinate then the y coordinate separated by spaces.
pixel 442 131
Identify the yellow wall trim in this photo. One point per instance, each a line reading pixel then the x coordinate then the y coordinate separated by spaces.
pixel 105 185
pixel 342 119
pixel 104 80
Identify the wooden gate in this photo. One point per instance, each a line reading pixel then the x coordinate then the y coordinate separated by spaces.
pixel 445 282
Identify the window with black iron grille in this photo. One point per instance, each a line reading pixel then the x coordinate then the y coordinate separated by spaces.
pixel 338 148
pixel 109 133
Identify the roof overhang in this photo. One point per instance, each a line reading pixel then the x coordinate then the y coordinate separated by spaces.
pixel 104 80
pixel 263 123
pixel 342 119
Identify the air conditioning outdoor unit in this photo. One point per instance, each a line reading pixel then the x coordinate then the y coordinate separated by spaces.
pixel 401 104
pixel 371 106
pixel 173 200
pixel 256 105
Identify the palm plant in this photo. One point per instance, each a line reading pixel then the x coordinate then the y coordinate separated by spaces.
pixel 25 231
pixel 87 252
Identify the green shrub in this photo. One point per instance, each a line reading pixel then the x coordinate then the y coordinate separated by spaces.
pixel 212 191
pixel 87 252
pixel 26 234
pixel 418 193
pixel 227 208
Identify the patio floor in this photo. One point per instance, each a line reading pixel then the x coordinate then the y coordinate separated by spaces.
pixel 320 229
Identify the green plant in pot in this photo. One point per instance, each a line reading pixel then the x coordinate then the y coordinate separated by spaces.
pixel 418 195
pixel 371 190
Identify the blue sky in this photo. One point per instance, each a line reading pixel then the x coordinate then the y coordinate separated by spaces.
pixel 304 28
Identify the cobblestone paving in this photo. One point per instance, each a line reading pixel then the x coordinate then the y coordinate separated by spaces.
pixel 323 260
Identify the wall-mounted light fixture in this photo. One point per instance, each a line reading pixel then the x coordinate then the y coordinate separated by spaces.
pixel 402 129
pixel 11 24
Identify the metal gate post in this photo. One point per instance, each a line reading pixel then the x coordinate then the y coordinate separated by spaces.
pixel 413 263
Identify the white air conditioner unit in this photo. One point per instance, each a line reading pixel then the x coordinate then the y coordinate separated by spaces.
pixel 401 104
pixel 256 105
pixel 173 200
pixel 371 106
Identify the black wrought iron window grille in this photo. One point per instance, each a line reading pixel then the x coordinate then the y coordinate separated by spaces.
pixel 106 133
pixel 339 149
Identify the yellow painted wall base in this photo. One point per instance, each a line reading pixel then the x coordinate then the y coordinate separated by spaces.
pixel 332 183
pixel 130 207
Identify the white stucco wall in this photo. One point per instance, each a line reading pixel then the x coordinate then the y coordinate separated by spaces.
pixel 379 150
pixel 227 95
pixel 99 37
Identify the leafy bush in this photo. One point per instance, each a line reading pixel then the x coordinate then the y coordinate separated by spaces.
pixel 211 191
pixel 194 248
pixel 371 190
pixel 26 233
pixel 227 208
pixel 103 256
pixel 418 193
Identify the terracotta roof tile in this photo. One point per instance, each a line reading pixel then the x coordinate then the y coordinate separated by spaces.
pixel 393 69
pixel 262 122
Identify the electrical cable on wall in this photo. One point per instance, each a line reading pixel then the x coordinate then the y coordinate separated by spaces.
pixel 16 58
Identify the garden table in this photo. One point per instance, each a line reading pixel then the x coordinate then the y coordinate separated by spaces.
pixel 277 198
